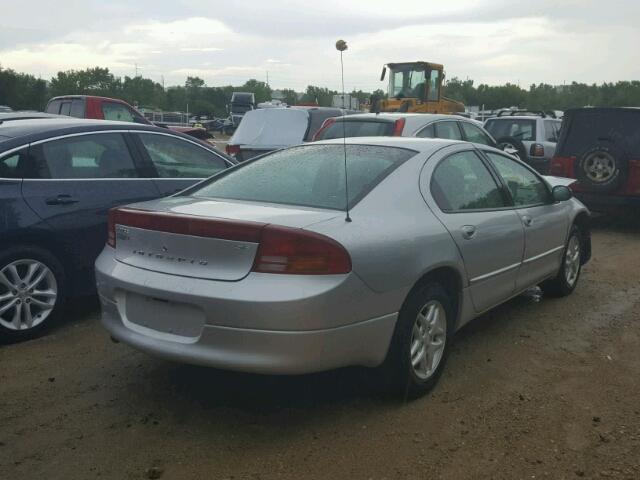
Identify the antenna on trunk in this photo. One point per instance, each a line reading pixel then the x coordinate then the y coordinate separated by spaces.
pixel 341 46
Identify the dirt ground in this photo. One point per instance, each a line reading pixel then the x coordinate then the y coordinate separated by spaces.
pixel 538 388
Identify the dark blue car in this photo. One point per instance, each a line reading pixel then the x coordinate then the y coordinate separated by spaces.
pixel 58 179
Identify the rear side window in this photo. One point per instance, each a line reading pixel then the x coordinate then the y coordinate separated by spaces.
pixel 77 108
pixel 427 132
pixel 354 128
pixel 461 182
pixel 312 175
pixel 177 158
pixel 54 106
pixel 11 166
pixel 116 111
pixel 102 155
pixel 522 129
pixel 448 130
pixel 475 134
pixel 65 108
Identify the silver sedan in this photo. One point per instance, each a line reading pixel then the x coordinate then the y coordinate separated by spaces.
pixel 282 265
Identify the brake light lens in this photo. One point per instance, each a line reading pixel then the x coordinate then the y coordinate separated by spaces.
pixel 398 127
pixel 325 125
pixel 536 150
pixel 562 166
pixel 233 149
pixel 281 250
pixel 299 252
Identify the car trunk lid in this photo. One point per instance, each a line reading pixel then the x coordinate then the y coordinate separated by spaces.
pixel 209 239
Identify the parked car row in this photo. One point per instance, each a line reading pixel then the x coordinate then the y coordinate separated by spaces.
pixel 357 248
pixel 58 179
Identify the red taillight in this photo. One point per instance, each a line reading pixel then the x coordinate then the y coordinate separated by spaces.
pixel 325 125
pixel 398 127
pixel 281 249
pixel 233 149
pixel 536 150
pixel 295 251
pixel 183 224
pixel 562 166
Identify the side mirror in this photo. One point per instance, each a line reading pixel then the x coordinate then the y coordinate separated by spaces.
pixel 384 72
pixel 561 193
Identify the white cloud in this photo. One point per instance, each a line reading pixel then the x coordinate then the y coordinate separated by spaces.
pixel 493 41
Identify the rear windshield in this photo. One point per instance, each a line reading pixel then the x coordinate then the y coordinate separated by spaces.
pixel 355 128
pixel 524 130
pixel 590 127
pixel 310 175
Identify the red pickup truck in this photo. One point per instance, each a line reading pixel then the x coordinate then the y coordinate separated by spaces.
pixel 104 108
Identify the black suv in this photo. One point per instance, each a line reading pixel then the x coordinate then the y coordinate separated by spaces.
pixel 600 147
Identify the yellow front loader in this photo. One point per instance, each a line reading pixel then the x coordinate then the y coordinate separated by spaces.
pixel 416 87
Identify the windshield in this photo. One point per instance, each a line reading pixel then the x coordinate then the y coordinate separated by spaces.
pixel 311 176
pixel 355 128
pixel 407 81
pixel 521 129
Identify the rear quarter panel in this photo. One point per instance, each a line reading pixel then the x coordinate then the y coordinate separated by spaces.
pixel 393 238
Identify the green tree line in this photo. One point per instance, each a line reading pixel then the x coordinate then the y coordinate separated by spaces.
pixel 25 92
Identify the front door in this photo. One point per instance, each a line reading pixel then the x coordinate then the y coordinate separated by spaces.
pixel 473 207
pixel 545 222
pixel 72 183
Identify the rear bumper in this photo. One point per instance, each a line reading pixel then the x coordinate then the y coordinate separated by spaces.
pixel 249 326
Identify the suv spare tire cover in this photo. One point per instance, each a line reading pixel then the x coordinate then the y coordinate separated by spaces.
pixel 517 144
pixel 602 168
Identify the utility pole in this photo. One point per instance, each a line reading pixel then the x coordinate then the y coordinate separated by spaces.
pixel 136 64
pixel 267 78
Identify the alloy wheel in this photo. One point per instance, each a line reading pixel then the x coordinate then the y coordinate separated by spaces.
pixel 572 260
pixel 28 293
pixel 428 339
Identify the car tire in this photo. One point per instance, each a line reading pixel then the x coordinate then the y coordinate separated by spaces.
pixel 567 278
pixel 30 301
pixel 513 143
pixel 602 169
pixel 427 307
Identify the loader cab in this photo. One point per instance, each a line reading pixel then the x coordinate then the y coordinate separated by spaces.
pixel 419 80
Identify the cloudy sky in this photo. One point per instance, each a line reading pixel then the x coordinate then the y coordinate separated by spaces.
pixel 227 42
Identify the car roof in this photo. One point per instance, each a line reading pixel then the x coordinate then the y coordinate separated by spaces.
pixel 19 132
pixel 422 145
pixel 521 117
pixel 26 115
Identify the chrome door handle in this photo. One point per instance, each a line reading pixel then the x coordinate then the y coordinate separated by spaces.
pixel 468 231
pixel 61 200
pixel 527 220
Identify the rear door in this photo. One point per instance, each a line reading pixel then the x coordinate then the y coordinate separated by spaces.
pixel 73 181
pixel 545 222
pixel 472 205
pixel 177 163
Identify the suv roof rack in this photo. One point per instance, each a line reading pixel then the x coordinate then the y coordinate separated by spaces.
pixel 511 113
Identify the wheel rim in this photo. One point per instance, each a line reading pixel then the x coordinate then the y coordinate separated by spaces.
pixel 599 166
pixel 572 261
pixel 428 339
pixel 28 293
